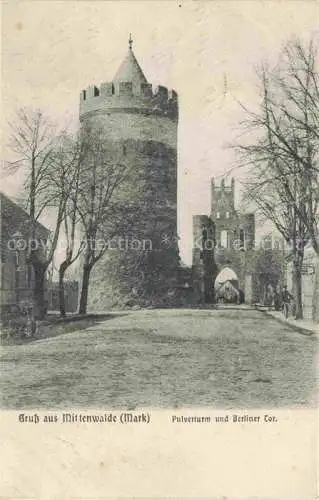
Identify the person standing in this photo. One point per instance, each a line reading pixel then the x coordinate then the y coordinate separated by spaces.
pixel 287 298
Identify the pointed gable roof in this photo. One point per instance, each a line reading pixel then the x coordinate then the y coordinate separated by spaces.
pixel 130 70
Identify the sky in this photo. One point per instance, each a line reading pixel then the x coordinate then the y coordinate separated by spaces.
pixel 206 50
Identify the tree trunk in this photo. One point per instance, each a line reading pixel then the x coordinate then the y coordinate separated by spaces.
pixel 297 287
pixel 85 289
pixel 63 268
pixel 39 299
pixel 315 306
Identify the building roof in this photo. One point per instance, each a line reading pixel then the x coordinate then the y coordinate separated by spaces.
pixel 17 218
pixel 130 70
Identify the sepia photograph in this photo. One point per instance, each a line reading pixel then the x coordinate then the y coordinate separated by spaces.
pixel 159 212
pixel 159 246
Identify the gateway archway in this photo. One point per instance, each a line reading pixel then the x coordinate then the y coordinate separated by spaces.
pixel 226 274
pixel 227 287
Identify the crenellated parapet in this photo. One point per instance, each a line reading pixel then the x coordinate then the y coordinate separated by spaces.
pixel 129 97
pixel 222 198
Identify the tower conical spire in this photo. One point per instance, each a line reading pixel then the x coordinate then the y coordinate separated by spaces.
pixel 130 70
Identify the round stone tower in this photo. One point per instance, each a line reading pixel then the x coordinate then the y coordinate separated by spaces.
pixel 141 121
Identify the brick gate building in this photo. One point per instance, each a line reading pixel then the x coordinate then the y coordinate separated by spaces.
pixel 233 235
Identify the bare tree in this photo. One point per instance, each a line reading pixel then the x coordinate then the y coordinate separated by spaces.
pixel 300 107
pixel 270 189
pixel 101 206
pixel 293 104
pixel 70 154
pixel 282 152
pixel 34 143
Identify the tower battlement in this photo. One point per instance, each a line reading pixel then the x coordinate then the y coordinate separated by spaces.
pixel 129 92
pixel 140 97
pixel 222 197
pixel 223 187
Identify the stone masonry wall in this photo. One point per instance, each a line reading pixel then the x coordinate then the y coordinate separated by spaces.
pixel 147 139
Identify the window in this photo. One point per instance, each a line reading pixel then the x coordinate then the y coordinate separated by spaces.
pixel 224 238
pixel 227 215
pixel 242 238
pixel 17 261
pixel 84 95
pixel 217 215
pixel 29 275
pixel 146 89
pixel 277 244
pixel 126 88
pixel 267 242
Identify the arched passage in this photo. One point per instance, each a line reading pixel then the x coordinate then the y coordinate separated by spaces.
pixel 226 274
pixel 227 286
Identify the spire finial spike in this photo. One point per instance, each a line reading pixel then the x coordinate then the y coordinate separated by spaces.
pixel 130 41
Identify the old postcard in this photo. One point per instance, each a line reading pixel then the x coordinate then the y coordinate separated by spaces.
pixel 159 234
